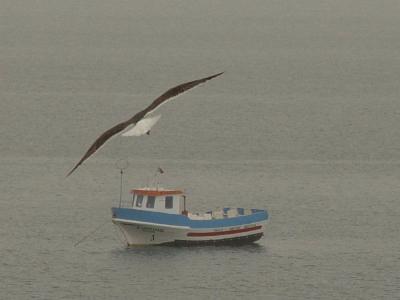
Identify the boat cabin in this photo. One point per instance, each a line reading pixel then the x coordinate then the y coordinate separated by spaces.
pixel 159 200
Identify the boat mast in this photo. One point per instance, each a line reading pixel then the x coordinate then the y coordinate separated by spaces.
pixel 121 164
pixel 120 188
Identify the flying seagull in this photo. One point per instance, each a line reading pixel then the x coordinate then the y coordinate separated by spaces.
pixel 141 125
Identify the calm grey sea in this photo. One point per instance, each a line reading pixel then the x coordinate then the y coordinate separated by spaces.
pixel 305 123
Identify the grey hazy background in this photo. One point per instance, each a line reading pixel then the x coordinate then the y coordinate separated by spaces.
pixel 305 123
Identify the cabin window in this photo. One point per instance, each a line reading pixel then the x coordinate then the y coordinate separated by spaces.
pixel 168 202
pixel 139 200
pixel 150 201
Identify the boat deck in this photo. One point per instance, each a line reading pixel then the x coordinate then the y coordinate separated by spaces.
pixel 227 212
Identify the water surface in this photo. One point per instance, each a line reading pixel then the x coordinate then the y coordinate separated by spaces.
pixel 303 123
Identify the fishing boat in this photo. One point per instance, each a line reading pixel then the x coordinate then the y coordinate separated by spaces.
pixel 158 216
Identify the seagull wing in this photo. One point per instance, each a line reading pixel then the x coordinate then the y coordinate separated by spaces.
pixel 99 142
pixel 179 89
pixel 175 91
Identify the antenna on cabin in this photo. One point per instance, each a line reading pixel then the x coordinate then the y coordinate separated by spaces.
pixel 158 172
pixel 121 164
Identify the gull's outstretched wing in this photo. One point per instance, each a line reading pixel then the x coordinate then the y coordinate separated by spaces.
pixel 175 91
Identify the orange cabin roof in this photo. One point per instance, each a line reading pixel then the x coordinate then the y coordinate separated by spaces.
pixel 156 192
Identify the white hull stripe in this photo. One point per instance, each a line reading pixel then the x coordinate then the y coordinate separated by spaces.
pixel 124 221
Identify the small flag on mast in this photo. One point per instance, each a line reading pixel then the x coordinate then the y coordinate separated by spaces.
pixel 161 171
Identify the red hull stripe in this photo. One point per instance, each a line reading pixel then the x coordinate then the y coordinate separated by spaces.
pixel 156 192
pixel 215 233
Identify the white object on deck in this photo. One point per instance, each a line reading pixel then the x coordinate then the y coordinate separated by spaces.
pixel 217 214
pixel 196 216
pixel 232 212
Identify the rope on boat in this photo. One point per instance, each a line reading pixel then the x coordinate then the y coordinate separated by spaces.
pixel 90 233
pixel 122 239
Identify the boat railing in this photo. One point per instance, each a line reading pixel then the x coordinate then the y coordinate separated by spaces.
pixel 226 212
